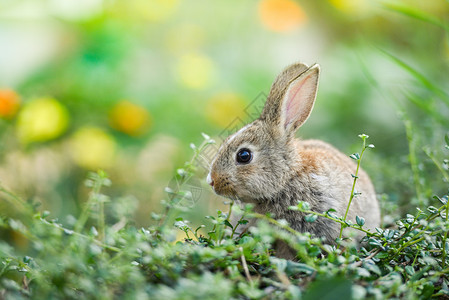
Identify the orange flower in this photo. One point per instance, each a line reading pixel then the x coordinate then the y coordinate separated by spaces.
pixel 281 15
pixel 9 103
pixel 129 118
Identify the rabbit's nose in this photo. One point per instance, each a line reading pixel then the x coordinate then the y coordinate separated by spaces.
pixel 210 180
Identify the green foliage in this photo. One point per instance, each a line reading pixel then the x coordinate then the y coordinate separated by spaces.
pixel 91 258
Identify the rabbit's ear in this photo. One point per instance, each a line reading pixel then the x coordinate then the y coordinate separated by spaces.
pixel 291 98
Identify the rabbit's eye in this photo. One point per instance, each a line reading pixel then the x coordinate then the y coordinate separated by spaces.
pixel 244 156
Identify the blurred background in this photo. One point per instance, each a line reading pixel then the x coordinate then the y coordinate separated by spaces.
pixel 126 86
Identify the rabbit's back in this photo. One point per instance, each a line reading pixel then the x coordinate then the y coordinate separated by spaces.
pixel 332 169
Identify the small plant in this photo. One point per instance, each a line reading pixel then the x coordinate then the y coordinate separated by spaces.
pixel 358 157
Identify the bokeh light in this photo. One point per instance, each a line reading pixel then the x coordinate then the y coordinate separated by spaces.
pixel 353 7
pixel 42 120
pixel 281 15
pixel 9 103
pixel 223 108
pixel 93 148
pixel 154 10
pixel 129 118
pixel 195 71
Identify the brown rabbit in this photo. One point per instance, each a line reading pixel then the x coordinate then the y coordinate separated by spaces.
pixel 264 164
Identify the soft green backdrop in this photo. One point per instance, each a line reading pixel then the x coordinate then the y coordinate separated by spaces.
pixel 126 86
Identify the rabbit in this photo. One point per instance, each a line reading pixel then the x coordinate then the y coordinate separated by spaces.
pixel 264 164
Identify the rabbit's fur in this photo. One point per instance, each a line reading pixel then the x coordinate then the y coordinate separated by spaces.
pixel 285 170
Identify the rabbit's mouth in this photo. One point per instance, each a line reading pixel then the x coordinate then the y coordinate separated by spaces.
pixel 222 185
pixel 228 191
pixel 224 189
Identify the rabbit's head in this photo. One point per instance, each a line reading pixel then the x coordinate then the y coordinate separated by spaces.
pixel 255 163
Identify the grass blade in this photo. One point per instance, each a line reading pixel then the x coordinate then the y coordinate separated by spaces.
pixel 414 162
pixel 418 76
pixel 426 106
pixel 437 163
pixel 416 14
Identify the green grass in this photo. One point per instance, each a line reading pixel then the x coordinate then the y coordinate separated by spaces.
pixel 87 257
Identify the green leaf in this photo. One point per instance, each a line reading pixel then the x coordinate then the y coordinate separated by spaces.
pixel 442 200
pixel 428 290
pixel 155 216
pixel 432 209
pixel 358 292
pixel 382 255
pixel 226 222
pixel 280 263
pixel 205 136
pixel 199 227
pixel 93 231
pixel 331 213
pixel 372 267
pixel 302 205
pixel 362 272
pixel 374 242
pixel 294 268
pixel 420 273
pixel 355 156
pixel 182 172
pixel 310 218
pixel 10 284
pixel 410 270
pixel 295 292
pixel 335 288
pixel 360 221
pixel 388 234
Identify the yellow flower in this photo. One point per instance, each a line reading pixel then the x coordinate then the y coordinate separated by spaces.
pixel 152 10
pixel 195 71
pixel 355 7
pixel 281 15
pixel 42 120
pixel 129 118
pixel 222 109
pixel 92 148
pixel 9 103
